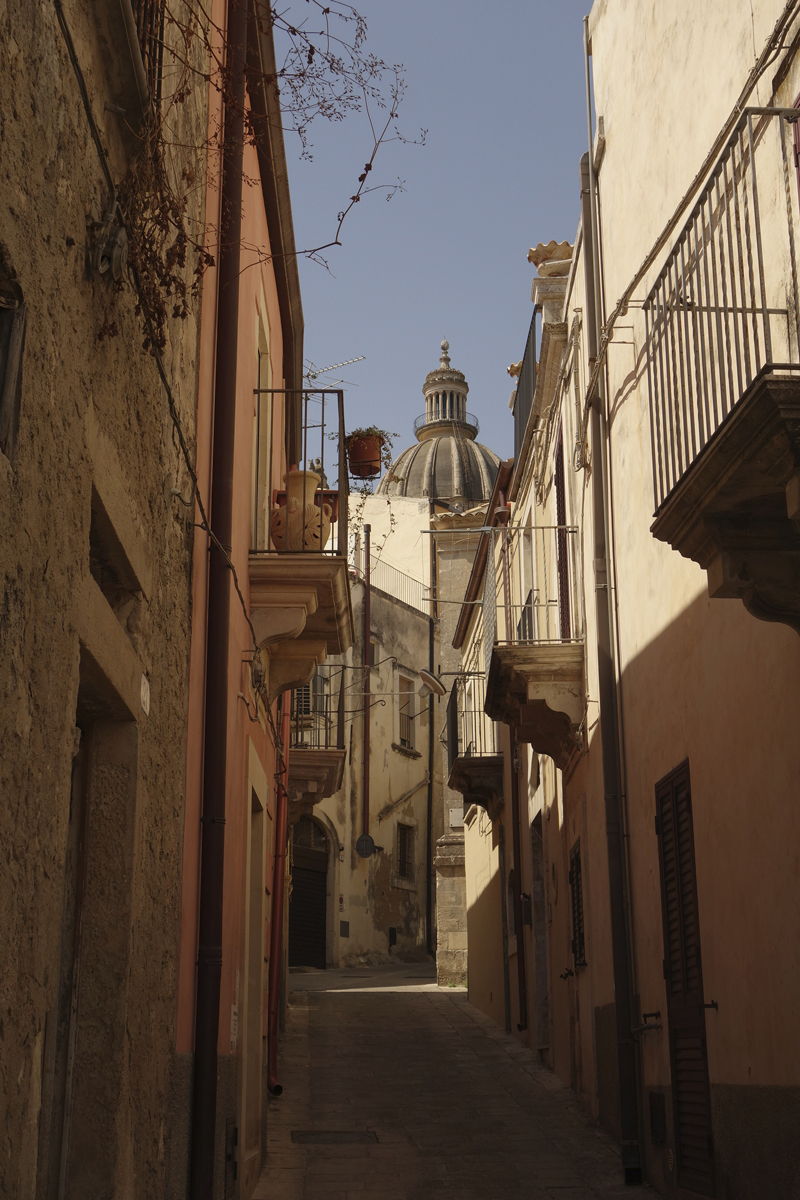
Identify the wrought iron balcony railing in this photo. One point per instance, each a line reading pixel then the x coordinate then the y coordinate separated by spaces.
pixel 394 582
pixel 318 712
pixel 725 307
pixel 300 510
pixel 470 733
pixel 533 594
pixel 447 414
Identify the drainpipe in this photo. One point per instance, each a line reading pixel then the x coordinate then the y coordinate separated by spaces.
pixel 278 893
pixel 501 856
pixel 607 683
pixel 429 812
pixel 209 951
pixel 515 838
pixel 503 515
pixel 365 787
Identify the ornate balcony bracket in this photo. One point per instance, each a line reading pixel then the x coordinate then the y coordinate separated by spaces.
pixel 479 778
pixel 736 511
pixel 313 776
pixel 301 612
pixel 539 689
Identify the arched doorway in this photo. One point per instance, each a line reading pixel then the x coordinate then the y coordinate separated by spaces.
pixel 307 904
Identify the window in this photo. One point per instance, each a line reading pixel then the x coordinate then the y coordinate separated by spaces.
pixel 406 713
pixel 12 337
pixel 405 852
pixel 512 912
pixel 576 885
pixel 374 652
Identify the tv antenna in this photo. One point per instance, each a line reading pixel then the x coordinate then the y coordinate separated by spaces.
pixel 313 373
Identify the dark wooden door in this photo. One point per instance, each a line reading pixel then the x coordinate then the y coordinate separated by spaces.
pixel 684 977
pixel 308 901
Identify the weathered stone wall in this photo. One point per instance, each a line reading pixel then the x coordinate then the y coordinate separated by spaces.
pixel 94 437
pixel 374 899
pixel 451 911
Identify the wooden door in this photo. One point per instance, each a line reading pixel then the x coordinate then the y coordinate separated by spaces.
pixel 308 900
pixel 684 978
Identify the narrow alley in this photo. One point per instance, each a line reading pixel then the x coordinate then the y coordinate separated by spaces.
pixel 399 1089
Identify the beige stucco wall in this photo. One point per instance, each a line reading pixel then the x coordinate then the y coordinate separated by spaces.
pixel 484 922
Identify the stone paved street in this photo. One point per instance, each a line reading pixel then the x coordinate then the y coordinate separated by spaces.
pixel 458 1109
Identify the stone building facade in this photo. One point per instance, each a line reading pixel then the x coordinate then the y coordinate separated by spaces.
pixel 631 922
pixel 95 562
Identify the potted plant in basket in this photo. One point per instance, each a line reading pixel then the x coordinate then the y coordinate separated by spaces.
pixel 369 450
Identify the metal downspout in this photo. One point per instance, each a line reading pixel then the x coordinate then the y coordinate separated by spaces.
pixel 278 894
pixel 504 511
pixel 215 731
pixel 367 714
pixel 518 923
pixel 429 810
pixel 607 683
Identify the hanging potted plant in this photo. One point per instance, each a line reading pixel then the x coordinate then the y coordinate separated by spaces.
pixel 366 451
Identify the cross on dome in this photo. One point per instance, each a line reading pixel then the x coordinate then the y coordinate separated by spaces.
pixel 444 361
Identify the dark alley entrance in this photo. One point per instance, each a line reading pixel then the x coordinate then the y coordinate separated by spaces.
pixel 396 1088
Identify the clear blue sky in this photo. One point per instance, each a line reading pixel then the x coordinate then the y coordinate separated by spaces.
pixel 500 89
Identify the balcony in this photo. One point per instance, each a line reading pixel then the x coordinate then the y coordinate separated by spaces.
pixel 316 743
pixel 443 415
pixel 533 637
pixel 723 326
pixel 474 760
pixel 299 589
pixel 387 578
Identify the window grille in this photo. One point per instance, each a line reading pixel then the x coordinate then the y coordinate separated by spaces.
pixel 405 852
pixel 576 884
pixel 406 715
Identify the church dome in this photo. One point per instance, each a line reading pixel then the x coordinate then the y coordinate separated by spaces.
pixel 447 464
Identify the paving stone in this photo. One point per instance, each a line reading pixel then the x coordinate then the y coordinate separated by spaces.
pixel 460 1109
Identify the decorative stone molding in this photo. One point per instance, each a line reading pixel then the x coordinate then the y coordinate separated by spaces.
pixel 539 689
pixel 736 511
pixel 301 612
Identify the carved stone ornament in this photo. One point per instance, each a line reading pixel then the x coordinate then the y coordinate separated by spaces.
pixel 301 524
pixel 539 689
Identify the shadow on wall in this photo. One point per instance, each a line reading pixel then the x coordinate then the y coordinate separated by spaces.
pixel 721 689
pixel 485 940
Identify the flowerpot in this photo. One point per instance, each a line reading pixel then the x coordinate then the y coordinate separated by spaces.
pixel 301 523
pixel 364 455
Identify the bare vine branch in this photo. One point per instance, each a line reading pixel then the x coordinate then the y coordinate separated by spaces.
pixel 326 72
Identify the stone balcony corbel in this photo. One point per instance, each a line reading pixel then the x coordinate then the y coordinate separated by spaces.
pixel 301 612
pixel 313 776
pixel 479 778
pixel 538 688
pixel 736 510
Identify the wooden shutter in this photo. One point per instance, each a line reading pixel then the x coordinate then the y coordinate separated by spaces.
pixel 684 980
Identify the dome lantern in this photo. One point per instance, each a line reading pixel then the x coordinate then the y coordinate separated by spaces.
pixel 447 464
